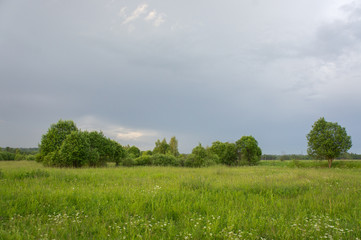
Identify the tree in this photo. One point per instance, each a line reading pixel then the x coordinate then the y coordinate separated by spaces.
pixel 133 152
pixel 118 152
pixel 173 146
pixel 161 147
pixel 226 152
pixel 75 151
pixel 248 150
pixel 201 157
pixel 53 139
pixel 327 140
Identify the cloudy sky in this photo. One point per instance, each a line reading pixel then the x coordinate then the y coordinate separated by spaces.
pixel 198 70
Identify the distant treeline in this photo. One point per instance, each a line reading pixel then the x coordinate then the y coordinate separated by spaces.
pixel 350 156
pixel 9 153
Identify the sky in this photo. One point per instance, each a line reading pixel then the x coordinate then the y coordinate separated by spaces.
pixel 198 70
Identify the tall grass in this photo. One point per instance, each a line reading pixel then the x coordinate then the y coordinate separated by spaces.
pixel 263 202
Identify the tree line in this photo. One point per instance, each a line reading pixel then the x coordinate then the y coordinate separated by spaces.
pixel 9 153
pixel 64 145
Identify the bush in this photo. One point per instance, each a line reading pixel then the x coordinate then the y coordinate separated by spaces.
pixel 164 160
pixel 30 157
pixel 66 146
pixel 201 157
pixel 52 159
pixel 128 162
pixel 8 156
pixel 19 157
pixel 144 160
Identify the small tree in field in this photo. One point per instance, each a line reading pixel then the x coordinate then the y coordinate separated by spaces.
pixel 249 150
pixel 327 140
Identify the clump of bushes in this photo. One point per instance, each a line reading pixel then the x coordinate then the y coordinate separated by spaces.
pixel 66 146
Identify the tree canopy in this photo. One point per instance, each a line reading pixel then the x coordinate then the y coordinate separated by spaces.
pixel 327 140
pixel 248 150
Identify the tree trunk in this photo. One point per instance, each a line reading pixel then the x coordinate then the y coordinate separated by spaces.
pixel 329 163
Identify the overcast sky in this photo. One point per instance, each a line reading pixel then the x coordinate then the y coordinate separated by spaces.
pixel 198 70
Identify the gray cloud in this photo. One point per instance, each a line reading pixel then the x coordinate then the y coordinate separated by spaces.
pixel 203 72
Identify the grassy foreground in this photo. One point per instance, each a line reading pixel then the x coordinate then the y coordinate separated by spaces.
pixel 262 202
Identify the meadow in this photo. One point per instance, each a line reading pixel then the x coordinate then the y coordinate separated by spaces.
pixel 275 200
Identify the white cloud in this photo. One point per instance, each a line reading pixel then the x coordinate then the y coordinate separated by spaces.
pixel 151 15
pixel 141 9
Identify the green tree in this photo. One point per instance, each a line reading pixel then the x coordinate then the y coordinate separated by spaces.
pixel 327 140
pixel 226 152
pixel 53 139
pixel 161 147
pixel 118 152
pixel 75 151
pixel 173 146
pixel 201 157
pixel 133 152
pixel 248 150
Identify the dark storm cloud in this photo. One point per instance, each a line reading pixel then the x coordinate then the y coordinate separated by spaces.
pixel 203 72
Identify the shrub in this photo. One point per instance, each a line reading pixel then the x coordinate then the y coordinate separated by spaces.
pixel 8 156
pixel 201 157
pixel 143 160
pixel 128 162
pixel 19 157
pixel 30 157
pixel 164 160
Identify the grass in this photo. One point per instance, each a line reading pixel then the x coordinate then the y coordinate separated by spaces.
pixel 282 201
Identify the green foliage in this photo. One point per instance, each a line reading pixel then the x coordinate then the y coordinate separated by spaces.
pixel 8 156
pixel 227 152
pixel 133 152
pixel 201 157
pixel 249 150
pixel 147 153
pixel 99 146
pixel 75 150
pixel 164 160
pixel 161 147
pixel 30 157
pixel 327 140
pixel 19 156
pixel 57 133
pixel 128 162
pixel 144 160
pixel 173 146
pixel 117 152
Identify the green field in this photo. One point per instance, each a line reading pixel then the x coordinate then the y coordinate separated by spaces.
pixel 276 200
